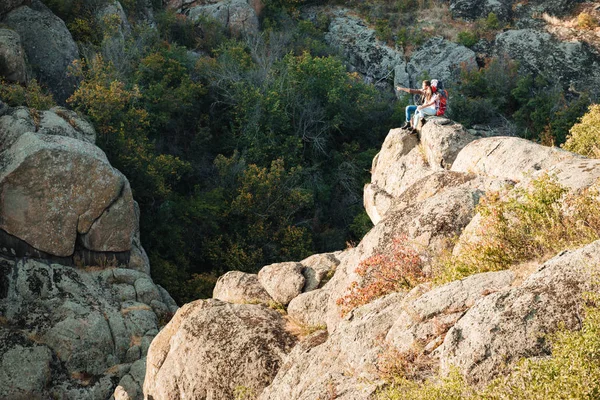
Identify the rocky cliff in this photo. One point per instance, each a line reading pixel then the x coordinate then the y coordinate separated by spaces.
pixel 78 308
pixel 426 188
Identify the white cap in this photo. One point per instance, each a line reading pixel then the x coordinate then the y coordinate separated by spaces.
pixel 434 82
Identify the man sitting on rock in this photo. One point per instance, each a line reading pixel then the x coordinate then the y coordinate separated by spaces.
pixel 427 108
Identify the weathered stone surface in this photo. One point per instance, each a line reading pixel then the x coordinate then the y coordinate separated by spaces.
pixel 318 268
pixel 13 61
pixel 283 281
pixel 49 46
pixel 8 5
pixel 398 165
pixel 439 58
pixel 138 259
pixel 24 371
pixel 62 186
pixel 63 122
pixel 130 386
pixel 237 15
pixel 474 9
pixel 310 308
pixel 343 364
pixel 426 320
pixel 442 140
pixel 210 347
pixel 240 287
pixel 113 230
pixel 376 202
pixel 14 123
pixel 521 160
pixel 363 51
pixel 571 63
pixel 510 324
pixel 76 318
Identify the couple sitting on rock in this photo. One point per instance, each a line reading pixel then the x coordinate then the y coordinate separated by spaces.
pixel 430 106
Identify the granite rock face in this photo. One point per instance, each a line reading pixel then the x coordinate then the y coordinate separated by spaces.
pixel 439 59
pixel 76 332
pixel 239 16
pixel 569 64
pixel 48 44
pixel 65 188
pixel 13 61
pixel 364 53
pixel 210 349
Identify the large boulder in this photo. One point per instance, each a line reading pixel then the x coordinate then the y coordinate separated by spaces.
pixel 310 309
pixel 571 64
pixel 237 15
pixel 66 189
pixel 513 323
pixel 49 46
pixel 398 165
pixel 73 333
pixel 13 61
pixel 240 287
pixel 520 160
pixel 362 50
pixel 440 59
pixel 210 349
pixel 442 140
pixel 283 281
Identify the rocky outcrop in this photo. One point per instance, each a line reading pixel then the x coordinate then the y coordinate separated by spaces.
pixel 363 51
pixel 67 189
pixel 236 15
pixel 213 350
pixel 405 160
pixel 77 332
pixel 506 10
pixel 513 323
pixel 520 160
pixel 472 10
pixel 341 365
pixel 570 64
pixel 13 61
pixel 439 59
pixel 48 44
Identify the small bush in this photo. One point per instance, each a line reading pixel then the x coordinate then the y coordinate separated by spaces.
pixel 393 364
pixel 586 21
pixel 584 137
pixel 400 269
pixel 572 372
pixel 467 38
pixel 527 226
pixel 32 95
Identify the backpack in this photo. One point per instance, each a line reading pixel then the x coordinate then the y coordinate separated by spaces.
pixel 442 98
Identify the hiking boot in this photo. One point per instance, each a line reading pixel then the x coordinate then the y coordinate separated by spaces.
pixel 405 126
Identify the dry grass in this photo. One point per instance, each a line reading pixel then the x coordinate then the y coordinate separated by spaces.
pixel 300 331
pixel 127 310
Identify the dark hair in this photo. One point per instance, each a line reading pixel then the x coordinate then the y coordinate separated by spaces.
pixel 427 83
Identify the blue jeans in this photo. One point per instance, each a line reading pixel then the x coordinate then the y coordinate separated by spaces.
pixel 410 110
pixel 419 114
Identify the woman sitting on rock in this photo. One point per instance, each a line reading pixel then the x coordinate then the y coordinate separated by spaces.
pixel 427 108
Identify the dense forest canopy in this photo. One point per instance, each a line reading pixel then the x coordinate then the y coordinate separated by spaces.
pixel 244 150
